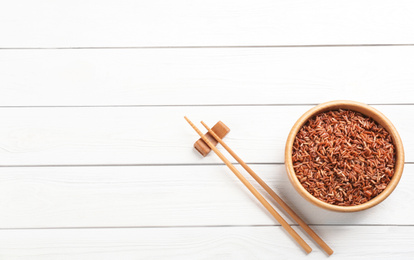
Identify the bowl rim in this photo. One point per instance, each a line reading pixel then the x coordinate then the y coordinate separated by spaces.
pixel 367 111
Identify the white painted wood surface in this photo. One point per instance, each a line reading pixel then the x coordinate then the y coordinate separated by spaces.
pixel 374 75
pixel 265 242
pixel 96 161
pixel 143 196
pixel 128 23
pixel 154 135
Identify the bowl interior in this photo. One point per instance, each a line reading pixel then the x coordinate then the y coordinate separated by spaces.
pixel 367 111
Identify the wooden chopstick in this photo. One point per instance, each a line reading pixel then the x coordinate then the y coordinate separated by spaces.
pixel 250 187
pixel 273 194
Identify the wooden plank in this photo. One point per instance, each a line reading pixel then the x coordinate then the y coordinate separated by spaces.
pixel 149 196
pixel 93 23
pixel 362 242
pixel 153 135
pixel 206 76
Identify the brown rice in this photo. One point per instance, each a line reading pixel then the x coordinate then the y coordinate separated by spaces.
pixel 343 157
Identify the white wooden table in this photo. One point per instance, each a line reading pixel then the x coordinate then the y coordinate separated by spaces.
pixel 97 160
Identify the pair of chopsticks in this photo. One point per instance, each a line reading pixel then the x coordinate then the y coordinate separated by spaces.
pixel 261 199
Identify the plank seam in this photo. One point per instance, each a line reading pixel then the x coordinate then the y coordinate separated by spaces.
pixel 197 105
pixel 212 46
pixel 143 164
pixel 211 226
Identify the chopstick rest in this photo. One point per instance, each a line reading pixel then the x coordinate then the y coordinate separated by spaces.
pixel 220 129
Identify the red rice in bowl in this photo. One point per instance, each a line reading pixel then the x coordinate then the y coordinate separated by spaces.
pixel 343 158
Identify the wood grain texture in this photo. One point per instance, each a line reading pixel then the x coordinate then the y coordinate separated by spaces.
pixel 147 196
pixel 154 135
pixel 203 243
pixel 111 23
pixel 96 83
pixel 374 75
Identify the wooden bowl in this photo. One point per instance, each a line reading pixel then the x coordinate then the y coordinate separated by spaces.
pixel 365 110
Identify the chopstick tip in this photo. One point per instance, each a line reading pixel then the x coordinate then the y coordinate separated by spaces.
pixel 191 123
